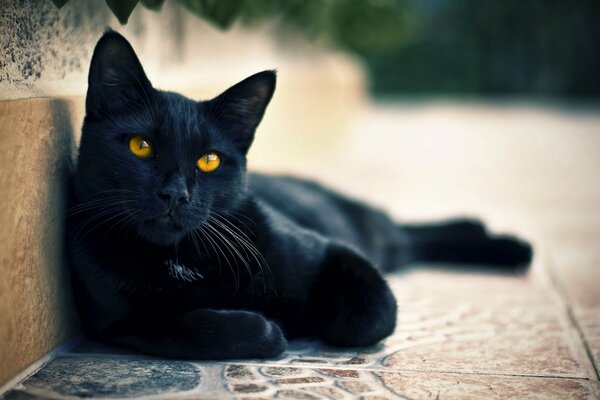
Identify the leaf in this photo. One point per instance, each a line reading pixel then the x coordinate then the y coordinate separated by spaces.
pixel 122 9
pixel 195 6
pixel 60 3
pixel 154 5
pixel 220 12
pixel 223 12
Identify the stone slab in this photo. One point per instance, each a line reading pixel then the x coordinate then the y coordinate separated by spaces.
pixel 91 377
pixel 116 377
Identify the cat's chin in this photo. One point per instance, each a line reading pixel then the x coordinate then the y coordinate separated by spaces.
pixel 162 233
pixel 166 237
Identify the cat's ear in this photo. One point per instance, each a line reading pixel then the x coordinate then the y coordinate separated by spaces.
pixel 116 80
pixel 239 109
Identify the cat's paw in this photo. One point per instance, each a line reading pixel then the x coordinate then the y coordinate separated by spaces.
pixel 231 334
pixel 512 251
pixel 352 301
pixel 268 339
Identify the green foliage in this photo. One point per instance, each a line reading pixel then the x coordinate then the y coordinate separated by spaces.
pixel 523 47
pixel 122 9
pixel 361 26
pixel 368 27
pixel 59 3
pixel 222 13
pixel 154 5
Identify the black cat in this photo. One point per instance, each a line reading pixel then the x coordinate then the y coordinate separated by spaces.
pixel 176 251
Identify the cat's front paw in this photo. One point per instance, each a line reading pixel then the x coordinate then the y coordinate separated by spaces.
pixel 235 334
pixel 269 340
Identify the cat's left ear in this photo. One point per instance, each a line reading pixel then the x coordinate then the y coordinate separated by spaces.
pixel 239 110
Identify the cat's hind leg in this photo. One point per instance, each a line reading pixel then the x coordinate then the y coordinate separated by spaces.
pixel 463 241
pixel 351 301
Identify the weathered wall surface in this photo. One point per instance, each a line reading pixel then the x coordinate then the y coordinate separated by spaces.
pixel 35 308
pixel 44 57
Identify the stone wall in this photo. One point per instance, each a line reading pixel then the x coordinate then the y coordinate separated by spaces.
pixel 36 141
pixel 44 59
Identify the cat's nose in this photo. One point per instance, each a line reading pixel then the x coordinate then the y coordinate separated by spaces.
pixel 174 196
pixel 173 191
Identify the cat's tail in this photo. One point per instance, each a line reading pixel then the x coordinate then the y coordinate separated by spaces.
pixel 464 242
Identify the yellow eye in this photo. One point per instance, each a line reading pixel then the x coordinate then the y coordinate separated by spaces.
pixel 209 162
pixel 140 147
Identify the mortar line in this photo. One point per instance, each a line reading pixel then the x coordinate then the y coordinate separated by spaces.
pixel 586 345
pixel 563 298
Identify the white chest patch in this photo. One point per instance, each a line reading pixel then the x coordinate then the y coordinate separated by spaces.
pixel 181 272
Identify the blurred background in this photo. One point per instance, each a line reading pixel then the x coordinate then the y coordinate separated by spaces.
pixel 457 47
pixel 427 95
pixel 426 108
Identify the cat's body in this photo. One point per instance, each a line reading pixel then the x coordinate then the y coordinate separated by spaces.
pixel 176 257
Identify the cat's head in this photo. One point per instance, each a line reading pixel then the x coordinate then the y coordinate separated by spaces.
pixel 157 161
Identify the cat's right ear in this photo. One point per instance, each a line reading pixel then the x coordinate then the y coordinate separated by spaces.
pixel 116 80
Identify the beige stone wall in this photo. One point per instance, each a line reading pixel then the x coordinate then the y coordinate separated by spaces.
pixel 36 140
pixel 43 75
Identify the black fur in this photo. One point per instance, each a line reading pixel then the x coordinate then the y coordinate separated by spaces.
pixel 176 262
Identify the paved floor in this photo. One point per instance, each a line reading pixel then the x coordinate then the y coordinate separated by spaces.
pixel 526 169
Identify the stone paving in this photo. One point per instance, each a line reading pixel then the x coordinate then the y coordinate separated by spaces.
pixel 462 334
pixel 458 336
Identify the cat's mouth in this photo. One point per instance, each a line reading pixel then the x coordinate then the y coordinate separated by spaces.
pixel 164 230
pixel 168 221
